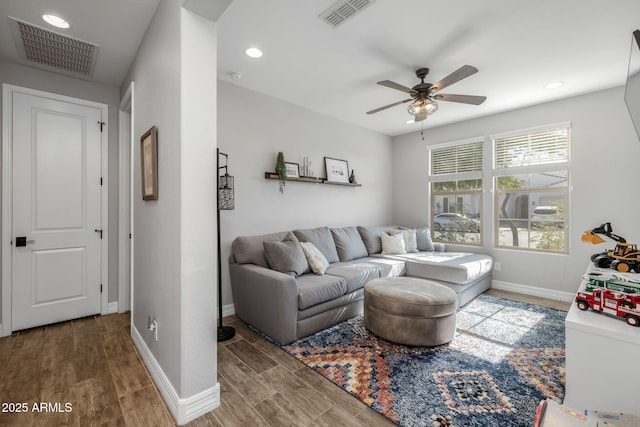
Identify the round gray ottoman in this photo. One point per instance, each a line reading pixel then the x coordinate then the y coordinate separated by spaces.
pixel 410 311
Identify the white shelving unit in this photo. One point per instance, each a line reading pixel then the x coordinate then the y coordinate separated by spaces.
pixel 602 361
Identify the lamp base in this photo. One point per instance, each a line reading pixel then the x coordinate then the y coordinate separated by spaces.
pixel 225 333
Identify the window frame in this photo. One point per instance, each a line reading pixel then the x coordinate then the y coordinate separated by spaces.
pixel 539 168
pixel 457 177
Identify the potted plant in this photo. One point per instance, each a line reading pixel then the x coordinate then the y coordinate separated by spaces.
pixel 281 170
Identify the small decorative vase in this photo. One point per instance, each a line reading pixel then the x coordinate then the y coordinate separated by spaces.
pixel 352 178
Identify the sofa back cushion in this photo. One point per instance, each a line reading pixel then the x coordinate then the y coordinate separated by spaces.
pixel 349 244
pixel 371 237
pixel 250 250
pixel 286 256
pixel 322 239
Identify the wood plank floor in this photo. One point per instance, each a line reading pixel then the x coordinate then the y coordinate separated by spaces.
pixel 88 373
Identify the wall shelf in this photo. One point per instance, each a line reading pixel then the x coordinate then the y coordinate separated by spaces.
pixel 273 175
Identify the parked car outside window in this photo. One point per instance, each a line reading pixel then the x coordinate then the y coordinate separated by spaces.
pixel 546 216
pixel 455 222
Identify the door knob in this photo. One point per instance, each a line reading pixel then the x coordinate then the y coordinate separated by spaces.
pixel 22 241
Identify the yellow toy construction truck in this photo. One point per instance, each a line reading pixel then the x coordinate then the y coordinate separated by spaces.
pixel 624 257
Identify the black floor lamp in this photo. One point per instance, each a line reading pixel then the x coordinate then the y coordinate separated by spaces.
pixel 225 202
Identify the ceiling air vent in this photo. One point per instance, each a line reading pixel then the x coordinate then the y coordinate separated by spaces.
pixel 342 10
pixel 54 51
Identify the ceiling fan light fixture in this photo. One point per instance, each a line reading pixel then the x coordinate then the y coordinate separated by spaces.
pixel 422 107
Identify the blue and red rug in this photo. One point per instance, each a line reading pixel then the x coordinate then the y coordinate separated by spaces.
pixel 505 358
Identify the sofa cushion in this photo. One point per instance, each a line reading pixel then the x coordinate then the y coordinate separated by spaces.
pixel 453 267
pixel 392 244
pixel 322 239
pixel 423 239
pixel 316 260
pixel 410 239
pixel 314 289
pixel 349 244
pixel 388 267
pixel 286 256
pixel 250 250
pixel 356 273
pixel 371 237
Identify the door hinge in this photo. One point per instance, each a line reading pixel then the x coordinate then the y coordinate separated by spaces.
pixel 101 125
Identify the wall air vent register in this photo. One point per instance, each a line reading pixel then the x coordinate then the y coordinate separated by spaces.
pixel 54 51
pixel 342 10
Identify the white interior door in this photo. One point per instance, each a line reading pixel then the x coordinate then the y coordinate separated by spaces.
pixel 56 211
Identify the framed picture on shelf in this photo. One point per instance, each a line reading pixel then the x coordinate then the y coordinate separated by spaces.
pixel 337 170
pixel 149 164
pixel 292 170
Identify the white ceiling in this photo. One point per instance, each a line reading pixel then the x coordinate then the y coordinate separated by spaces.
pixel 518 47
pixel 116 25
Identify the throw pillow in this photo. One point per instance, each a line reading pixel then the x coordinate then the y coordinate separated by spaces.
pixel 423 238
pixel 286 257
pixel 316 260
pixel 392 244
pixel 410 239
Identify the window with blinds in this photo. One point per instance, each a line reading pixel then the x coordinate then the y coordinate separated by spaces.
pixel 457 159
pixel 531 178
pixel 544 147
pixel 456 191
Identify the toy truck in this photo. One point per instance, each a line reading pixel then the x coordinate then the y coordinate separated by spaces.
pixel 594 282
pixel 619 304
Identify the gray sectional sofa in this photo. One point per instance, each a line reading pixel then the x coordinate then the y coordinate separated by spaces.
pixel 284 288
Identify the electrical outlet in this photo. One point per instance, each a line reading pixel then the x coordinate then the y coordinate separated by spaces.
pixel 496 266
pixel 153 326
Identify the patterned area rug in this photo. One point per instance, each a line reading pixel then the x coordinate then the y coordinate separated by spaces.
pixel 506 356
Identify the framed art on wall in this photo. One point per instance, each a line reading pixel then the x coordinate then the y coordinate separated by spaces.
pixel 337 170
pixel 149 164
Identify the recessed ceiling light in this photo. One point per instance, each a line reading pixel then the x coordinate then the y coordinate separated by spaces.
pixel 253 52
pixel 56 21
pixel 553 85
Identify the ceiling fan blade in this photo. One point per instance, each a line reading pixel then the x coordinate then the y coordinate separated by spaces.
pixel 397 86
pixel 465 99
pixel 389 106
pixel 461 73
pixel 419 118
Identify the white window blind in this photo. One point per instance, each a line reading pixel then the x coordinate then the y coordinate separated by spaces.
pixel 457 159
pixel 532 149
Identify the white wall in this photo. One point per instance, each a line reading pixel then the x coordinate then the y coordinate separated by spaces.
pixel 604 158
pixel 34 78
pixel 253 128
pixel 198 250
pixel 174 236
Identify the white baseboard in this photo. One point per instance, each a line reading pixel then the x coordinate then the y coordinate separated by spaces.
pixel 183 410
pixel 228 310
pixel 112 307
pixel 533 291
